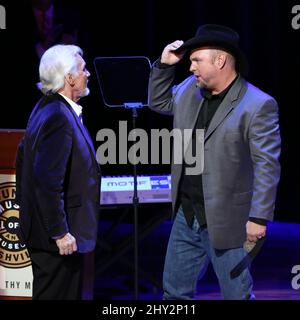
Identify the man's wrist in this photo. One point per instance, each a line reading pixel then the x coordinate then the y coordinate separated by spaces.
pixel 58 237
pixel 158 64
pixel 260 221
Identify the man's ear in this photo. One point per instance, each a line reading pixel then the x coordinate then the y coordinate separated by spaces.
pixel 221 60
pixel 70 79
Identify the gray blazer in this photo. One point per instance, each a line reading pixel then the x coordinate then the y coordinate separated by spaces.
pixel 241 152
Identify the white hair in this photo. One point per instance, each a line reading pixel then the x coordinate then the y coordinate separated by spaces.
pixel 55 64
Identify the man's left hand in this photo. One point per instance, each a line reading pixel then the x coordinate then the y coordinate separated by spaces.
pixel 255 231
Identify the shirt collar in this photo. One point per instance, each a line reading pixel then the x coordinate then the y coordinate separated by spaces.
pixel 76 107
pixel 209 96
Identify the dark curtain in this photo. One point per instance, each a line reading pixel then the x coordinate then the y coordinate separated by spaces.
pixel 124 28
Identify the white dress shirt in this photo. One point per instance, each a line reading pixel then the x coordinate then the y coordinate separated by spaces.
pixel 76 107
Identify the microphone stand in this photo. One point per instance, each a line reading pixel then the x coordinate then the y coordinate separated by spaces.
pixel 135 71
pixel 135 201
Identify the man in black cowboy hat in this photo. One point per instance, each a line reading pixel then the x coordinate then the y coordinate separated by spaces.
pixel 232 200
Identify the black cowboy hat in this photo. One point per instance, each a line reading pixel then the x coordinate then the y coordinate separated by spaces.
pixel 217 36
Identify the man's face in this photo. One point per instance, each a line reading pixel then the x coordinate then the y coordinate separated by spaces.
pixel 81 79
pixel 203 67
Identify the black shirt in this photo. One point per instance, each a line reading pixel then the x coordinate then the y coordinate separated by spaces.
pixel 190 190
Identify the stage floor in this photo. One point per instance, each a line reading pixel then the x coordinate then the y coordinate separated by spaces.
pixel 271 269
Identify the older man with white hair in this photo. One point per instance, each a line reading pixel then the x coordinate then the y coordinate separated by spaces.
pixel 58 178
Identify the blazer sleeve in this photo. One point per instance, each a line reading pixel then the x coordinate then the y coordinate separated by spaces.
pixel 160 91
pixel 51 162
pixel 265 144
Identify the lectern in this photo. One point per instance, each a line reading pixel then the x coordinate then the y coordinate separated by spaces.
pixel 15 265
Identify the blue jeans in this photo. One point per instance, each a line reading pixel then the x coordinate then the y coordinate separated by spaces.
pixel 188 255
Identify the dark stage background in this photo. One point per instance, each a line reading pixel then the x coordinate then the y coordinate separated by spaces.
pixel 124 28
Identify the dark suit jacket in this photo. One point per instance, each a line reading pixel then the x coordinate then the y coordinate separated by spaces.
pixel 58 178
pixel 241 152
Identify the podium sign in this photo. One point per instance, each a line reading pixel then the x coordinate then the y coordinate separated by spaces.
pixel 15 264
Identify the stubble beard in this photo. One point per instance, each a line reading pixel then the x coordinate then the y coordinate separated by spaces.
pixel 85 92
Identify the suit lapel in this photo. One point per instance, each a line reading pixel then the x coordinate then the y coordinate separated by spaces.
pixel 192 116
pixel 83 131
pixel 225 107
pixel 80 126
pixel 197 100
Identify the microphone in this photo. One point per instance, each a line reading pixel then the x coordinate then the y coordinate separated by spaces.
pixel 252 248
pixel 249 245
